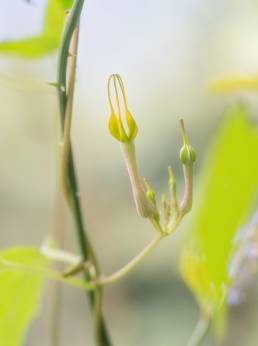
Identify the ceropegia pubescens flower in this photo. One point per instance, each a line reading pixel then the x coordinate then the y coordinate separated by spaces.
pixel 125 133
pixel 123 128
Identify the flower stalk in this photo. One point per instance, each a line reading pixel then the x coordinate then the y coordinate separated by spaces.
pixel 143 205
pixel 145 199
pixel 187 157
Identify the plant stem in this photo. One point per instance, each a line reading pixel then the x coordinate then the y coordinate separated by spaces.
pixel 104 280
pixel 66 142
pixel 65 92
pixel 66 257
pixel 199 332
pixel 55 289
pixel 132 264
pixel 55 297
pixel 55 292
pixel 186 202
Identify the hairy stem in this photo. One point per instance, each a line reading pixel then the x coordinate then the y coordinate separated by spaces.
pixel 66 80
pixel 66 142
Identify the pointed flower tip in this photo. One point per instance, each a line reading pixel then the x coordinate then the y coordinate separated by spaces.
pixel 122 132
pixel 187 152
pixel 171 177
pixel 183 131
pixel 150 194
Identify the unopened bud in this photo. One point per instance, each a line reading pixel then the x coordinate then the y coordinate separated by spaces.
pixel 166 208
pixel 150 192
pixel 171 178
pixel 187 152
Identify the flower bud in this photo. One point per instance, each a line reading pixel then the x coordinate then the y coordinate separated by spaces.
pixel 166 209
pixel 150 194
pixel 171 178
pixel 187 153
pixel 122 132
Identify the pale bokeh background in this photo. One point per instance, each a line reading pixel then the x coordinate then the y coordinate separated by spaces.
pixel 167 53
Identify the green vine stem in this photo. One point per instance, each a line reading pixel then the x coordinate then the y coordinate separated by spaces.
pixel 105 280
pixel 102 280
pixel 65 82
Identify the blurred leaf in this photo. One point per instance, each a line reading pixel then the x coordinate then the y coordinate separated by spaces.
pixel 67 3
pixel 48 40
pixel 235 83
pixel 13 265
pixel 228 189
pixel 26 84
pixel 20 293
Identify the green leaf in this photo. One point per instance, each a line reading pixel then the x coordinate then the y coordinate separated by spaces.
pixel 235 83
pixel 67 3
pixel 20 293
pixel 48 40
pixel 228 188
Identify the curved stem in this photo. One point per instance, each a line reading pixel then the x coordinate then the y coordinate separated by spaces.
pixel 132 264
pixel 199 332
pixel 66 257
pixel 186 202
pixel 71 259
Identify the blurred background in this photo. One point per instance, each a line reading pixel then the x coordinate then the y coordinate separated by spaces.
pixel 167 52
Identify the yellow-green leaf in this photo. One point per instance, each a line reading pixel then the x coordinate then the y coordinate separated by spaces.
pixel 20 293
pixel 67 3
pixel 235 83
pixel 48 40
pixel 227 191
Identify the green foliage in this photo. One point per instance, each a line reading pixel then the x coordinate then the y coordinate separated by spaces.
pixel 235 83
pixel 67 3
pixel 20 293
pixel 48 40
pixel 228 189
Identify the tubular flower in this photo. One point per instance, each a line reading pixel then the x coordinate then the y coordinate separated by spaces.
pixel 125 134
pixel 116 126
